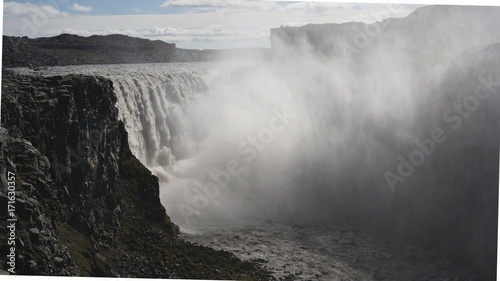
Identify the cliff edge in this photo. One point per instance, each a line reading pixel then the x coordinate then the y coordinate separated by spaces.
pixel 84 204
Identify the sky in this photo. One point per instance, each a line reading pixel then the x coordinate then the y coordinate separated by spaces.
pixel 193 24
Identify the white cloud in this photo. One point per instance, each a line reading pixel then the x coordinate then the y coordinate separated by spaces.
pixel 305 10
pixel 221 4
pixel 277 6
pixel 80 8
pixel 172 34
pixel 212 30
pixel 86 33
pixel 14 9
pixel 314 7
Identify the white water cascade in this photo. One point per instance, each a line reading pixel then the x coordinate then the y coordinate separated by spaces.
pixel 154 107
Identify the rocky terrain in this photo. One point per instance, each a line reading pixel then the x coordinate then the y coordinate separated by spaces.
pixel 85 205
pixel 69 49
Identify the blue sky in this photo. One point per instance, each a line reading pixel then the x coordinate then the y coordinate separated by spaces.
pixel 123 7
pixel 197 24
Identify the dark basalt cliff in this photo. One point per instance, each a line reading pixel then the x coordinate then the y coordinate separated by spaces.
pixel 85 205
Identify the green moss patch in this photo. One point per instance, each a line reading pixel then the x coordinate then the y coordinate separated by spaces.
pixel 81 251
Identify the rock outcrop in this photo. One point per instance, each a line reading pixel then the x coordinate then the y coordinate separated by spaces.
pixel 66 49
pixel 86 205
pixel 69 49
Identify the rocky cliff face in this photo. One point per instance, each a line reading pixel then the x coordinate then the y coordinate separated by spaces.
pixel 85 205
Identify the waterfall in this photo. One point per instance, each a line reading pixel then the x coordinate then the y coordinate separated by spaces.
pixel 154 107
pixel 289 139
pixel 308 139
pixel 253 141
pixel 401 135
